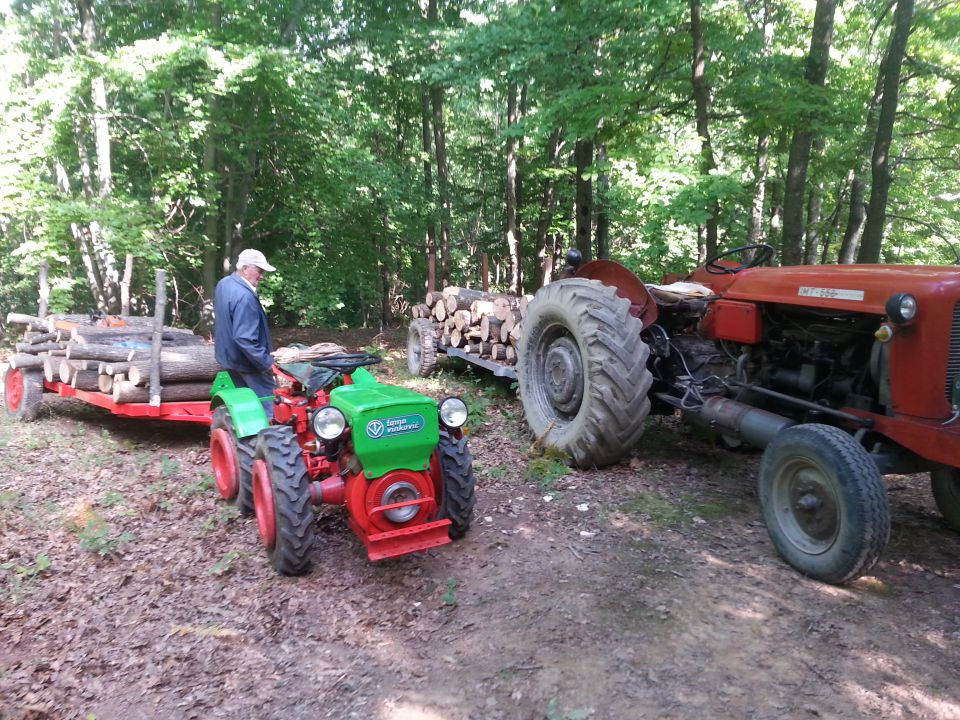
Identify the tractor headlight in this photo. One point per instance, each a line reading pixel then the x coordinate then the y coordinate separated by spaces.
pixel 902 308
pixel 329 423
pixel 397 493
pixel 453 412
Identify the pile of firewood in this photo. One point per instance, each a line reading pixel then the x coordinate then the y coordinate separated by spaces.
pixel 113 358
pixel 482 323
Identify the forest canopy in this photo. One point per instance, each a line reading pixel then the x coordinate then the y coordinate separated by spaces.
pixel 374 149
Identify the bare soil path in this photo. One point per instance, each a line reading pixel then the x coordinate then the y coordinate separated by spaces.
pixel 647 590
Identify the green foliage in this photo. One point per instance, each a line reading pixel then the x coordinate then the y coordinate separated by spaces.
pixel 449 597
pixel 20 579
pixel 547 469
pixel 97 537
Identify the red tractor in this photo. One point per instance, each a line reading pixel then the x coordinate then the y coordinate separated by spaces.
pixel 842 373
pixel 397 459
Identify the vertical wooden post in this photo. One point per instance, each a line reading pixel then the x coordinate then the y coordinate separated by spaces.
pixel 485 272
pixel 159 313
pixel 125 286
pixel 44 290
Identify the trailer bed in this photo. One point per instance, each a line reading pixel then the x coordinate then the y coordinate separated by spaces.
pixel 498 369
pixel 194 411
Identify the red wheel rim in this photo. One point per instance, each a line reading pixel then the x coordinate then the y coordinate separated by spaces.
pixel 263 504
pixel 224 458
pixel 13 392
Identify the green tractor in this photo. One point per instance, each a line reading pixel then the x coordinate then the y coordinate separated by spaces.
pixel 397 459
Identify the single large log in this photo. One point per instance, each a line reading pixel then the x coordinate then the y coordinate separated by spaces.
pixel 522 302
pixel 515 335
pixel 479 308
pixel 108 353
pixel 192 352
pixel 126 392
pixel 480 348
pixel 69 368
pixel 31 321
pixel 465 296
pixel 37 338
pixel 461 319
pixel 433 298
pixel 31 349
pixel 114 369
pixel 512 320
pixel 511 353
pixel 51 368
pixel 504 333
pixel 105 383
pixel 85 380
pixel 23 360
pixel 498 351
pixel 490 328
pixel 95 335
pixel 456 338
pixel 139 372
pixel 502 307
pixel 440 311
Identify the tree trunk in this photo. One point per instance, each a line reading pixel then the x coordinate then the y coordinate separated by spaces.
pixel 431 231
pixel 513 232
pixel 793 197
pixel 855 221
pixel 545 250
pixel 755 232
pixel 701 100
pixel 583 156
pixel 880 162
pixel 603 207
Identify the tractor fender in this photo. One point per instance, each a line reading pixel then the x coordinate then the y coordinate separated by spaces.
pixel 245 408
pixel 627 285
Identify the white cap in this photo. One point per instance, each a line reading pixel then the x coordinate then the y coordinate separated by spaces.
pixel 253 257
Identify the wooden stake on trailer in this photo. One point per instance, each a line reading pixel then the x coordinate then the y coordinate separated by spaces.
pixel 158 314
pixel 44 289
pixel 125 287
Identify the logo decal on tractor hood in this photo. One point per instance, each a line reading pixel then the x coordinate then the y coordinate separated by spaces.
pixel 831 293
pixel 400 425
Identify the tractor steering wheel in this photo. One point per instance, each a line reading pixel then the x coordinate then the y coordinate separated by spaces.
pixel 345 363
pixel 763 256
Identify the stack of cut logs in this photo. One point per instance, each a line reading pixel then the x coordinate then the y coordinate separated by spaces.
pixel 482 323
pixel 70 349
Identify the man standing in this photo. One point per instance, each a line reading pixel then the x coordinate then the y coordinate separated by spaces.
pixel 240 331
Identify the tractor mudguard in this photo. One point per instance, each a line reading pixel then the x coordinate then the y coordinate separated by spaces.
pixel 245 408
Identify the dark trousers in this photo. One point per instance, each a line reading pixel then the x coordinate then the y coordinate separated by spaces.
pixel 263 384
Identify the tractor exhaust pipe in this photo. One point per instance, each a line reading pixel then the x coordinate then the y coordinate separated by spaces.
pixel 752 425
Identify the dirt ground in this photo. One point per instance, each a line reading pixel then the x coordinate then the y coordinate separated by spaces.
pixel 646 590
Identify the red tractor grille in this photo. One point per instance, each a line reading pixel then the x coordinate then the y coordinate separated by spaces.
pixel 953 360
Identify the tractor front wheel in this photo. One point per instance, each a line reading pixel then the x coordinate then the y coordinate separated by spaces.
pixel 421 348
pixel 582 371
pixel 946 493
pixel 458 492
pixel 281 494
pixel 23 393
pixel 824 502
pixel 232 459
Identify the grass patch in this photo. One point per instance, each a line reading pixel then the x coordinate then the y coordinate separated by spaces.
pixel 666 512
pixel 547 469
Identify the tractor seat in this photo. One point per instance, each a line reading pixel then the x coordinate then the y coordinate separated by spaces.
pixel 680 295
pixel 311 377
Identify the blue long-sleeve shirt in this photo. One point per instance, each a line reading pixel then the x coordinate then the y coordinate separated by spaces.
pixel 240 329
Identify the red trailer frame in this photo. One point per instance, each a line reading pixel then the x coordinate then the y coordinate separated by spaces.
pixel 194 411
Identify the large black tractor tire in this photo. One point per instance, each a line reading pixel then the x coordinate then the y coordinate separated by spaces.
pixel 243 449
pixel 293 512
pixel 824 502
pixel 582 371
pixel 946 493
pixel 23 393
pixel 421 348
pixel 459 485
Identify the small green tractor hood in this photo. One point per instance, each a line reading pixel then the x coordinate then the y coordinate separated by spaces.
pixel 392 427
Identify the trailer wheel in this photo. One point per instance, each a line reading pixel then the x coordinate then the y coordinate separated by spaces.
pixel 232 459
pixel 458 484
pixel 946 493
pixel 281 493
pixel 23 393
pixel 824 502
pixel 421 348
pixel 582 371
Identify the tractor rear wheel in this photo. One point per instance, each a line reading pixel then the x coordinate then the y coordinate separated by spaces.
pixel 23 393
pixel 421 348
pixel 232 459
pixel 946 493
pixel 582 371
pixel 281 492
pixel 459 484
pixel 824 502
